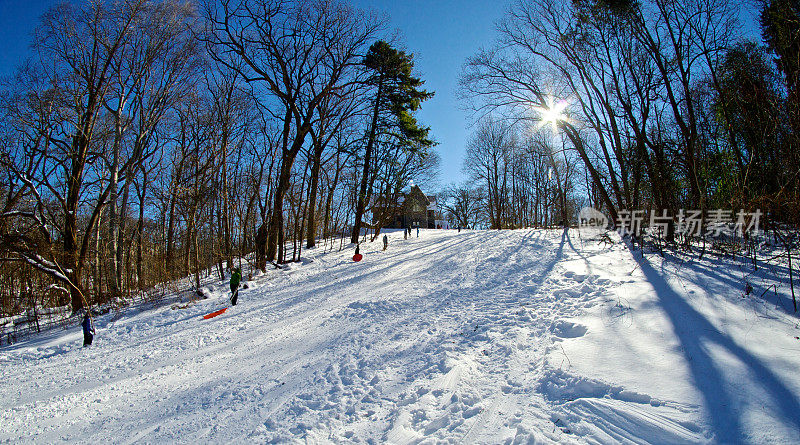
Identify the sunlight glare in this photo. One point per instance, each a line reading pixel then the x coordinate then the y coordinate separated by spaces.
pixel 552 113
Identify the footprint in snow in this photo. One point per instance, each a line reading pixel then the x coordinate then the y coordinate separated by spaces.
pixel 566 329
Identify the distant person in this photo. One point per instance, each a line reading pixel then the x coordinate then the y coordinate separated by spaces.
pixel 88 330
pixel 459 229
pixel 236 276
pixel 385 242
pixel 405 233
pixel 417 231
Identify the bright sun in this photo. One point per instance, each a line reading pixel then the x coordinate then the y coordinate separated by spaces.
pixel 552 113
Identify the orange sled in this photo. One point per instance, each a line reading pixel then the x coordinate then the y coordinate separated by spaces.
pixel 214 314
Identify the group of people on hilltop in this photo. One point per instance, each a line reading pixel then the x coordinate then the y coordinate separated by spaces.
pixel 406 234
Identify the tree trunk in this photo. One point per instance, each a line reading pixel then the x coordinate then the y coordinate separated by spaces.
pixel 113 218
pixel 226 226
pixel 140 282
pixel 197 266
pixel 244 244
pixel 276 224
pixel 71 220
pixel 97 266
pixel 190 223
pixel 312 198
pixel 120 254
pixel 170 234
pixel 362 193
pixel 275 242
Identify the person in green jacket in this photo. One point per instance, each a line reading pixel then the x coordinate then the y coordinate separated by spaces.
pixel 236 276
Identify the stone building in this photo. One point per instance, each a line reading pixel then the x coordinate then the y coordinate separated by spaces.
pixel 413 209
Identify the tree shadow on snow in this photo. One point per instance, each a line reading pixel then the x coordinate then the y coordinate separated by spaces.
pixel 695 332
pixel 558 256
pixel 708 275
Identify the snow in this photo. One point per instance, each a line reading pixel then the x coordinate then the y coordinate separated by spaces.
pixel 46 266
pixel 527 336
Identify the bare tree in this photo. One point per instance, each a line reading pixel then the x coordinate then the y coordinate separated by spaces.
pixel 76 49
pixel 463 205
pixel 152 70
pixel 300 53
pixel 336 113
pixel 488 160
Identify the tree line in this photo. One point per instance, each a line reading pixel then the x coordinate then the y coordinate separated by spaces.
pixel 666 106
pixel 143 141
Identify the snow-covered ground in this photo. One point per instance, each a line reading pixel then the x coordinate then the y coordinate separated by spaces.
pixel 472 337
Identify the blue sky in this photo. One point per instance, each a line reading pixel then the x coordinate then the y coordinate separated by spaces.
pixel 440 33
pixel 18 18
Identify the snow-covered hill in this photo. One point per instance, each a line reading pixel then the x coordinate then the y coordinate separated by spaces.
pixel 472 337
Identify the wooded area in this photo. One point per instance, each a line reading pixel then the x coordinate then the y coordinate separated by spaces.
pixel 655 105
pixel 146 141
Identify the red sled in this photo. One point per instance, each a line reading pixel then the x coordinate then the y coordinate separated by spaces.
pixel 357 257
pixel 214 314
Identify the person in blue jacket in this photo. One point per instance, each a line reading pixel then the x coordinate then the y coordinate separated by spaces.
pixel 88 330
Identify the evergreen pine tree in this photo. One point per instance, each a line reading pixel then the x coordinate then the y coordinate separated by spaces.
pixel 397 97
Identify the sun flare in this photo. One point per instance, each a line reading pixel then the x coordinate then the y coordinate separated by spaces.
pixel 552 113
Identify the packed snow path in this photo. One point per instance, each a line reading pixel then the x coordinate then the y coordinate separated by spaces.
pixel 472 337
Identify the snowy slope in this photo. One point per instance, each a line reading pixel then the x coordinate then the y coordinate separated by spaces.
pixel 472 337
